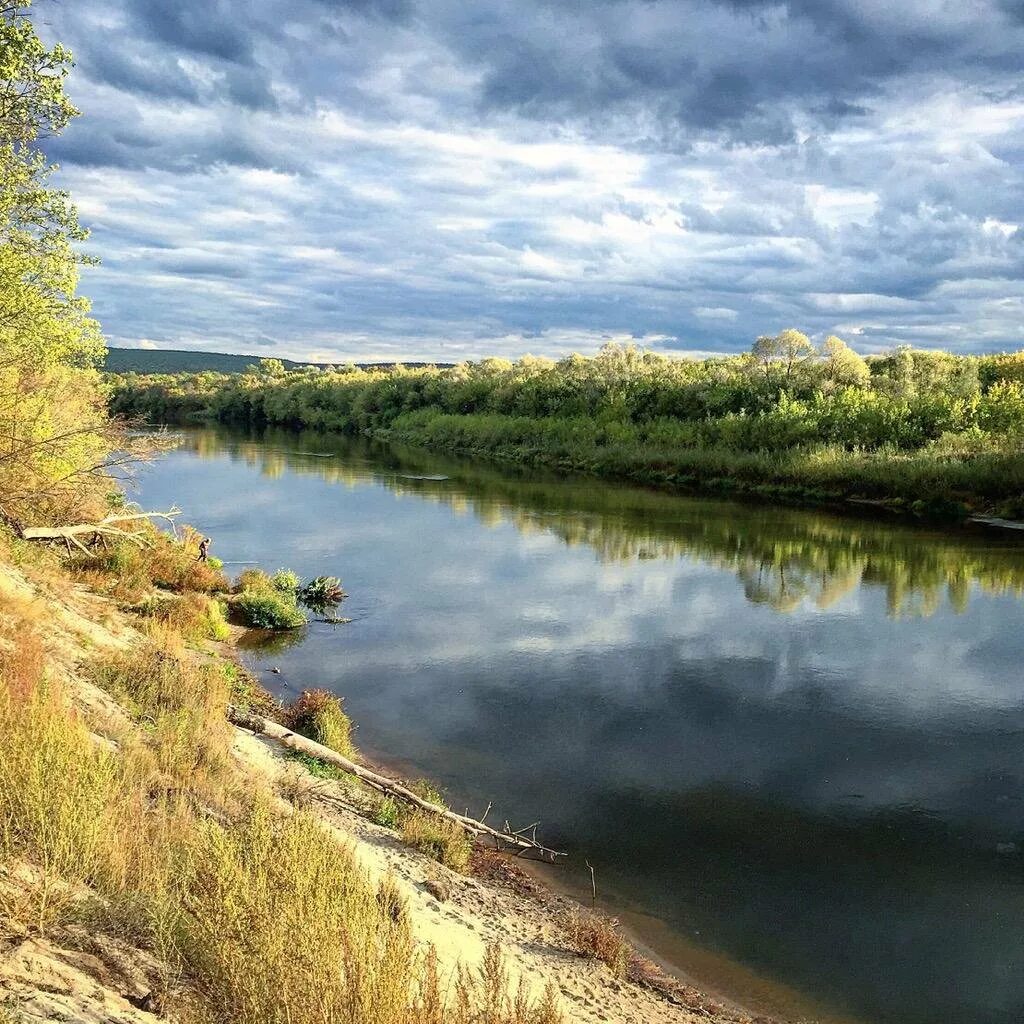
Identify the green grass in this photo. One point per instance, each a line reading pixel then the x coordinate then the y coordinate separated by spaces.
pixel 319 769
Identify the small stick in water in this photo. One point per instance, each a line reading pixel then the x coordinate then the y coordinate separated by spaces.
pixel 593 882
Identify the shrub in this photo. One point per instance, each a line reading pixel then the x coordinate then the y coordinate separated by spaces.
pixel 172 564
pixel 322 593
pixel 388 813
pixel 286 581
pixel 598 937
pixel 268 609
pixel 192 616
pixel 130 572
pixel 320 716
pixel 265 602
pixel 252 579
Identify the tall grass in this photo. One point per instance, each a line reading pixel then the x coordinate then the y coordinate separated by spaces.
pixel 59 787
pixel 182 704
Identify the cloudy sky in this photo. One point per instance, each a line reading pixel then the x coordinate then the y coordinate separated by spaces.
pixel 335 179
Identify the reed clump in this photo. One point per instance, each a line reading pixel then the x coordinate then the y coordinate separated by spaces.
pixel 320 716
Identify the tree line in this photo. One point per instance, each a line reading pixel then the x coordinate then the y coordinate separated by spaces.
pixel 786 415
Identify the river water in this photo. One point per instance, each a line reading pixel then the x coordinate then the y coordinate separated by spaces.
pixel 791 743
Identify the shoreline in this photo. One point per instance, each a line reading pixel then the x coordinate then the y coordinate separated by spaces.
pixel 687 474
pixel 717 977
pixel 464 920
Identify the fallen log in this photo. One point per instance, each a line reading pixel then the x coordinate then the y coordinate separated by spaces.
pixel 108 526
pixel 522 841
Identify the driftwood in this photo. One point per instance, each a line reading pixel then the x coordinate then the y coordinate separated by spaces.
pixel 108 526
pixel 521 841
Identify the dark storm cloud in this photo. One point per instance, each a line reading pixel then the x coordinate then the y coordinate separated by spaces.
pixel 357 177
pixel 214 28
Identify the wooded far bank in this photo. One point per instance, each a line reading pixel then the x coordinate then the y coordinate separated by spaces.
pixel 937 433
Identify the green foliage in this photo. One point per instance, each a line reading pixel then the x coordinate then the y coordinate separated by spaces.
pixel 322 593
pixel 317 768
pixel 267 609
pixel 253 579
pixel 54 432
pixel 818 425
pixel 437 837
pixel 264 599
pixel 268 602
pixel 286 581
pixel 388 813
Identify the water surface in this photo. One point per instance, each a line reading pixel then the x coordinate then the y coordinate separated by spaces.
pixel 794 740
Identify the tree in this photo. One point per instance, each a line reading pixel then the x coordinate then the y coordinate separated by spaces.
pixel 842 366
pixel 54 431
pixel 782 358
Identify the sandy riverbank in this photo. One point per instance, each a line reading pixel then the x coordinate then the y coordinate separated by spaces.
pixel 62 976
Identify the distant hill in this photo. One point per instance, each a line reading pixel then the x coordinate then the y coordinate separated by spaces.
pixel 148 360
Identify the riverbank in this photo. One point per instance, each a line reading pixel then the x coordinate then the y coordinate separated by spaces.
pixel 91 952
pixel 930 434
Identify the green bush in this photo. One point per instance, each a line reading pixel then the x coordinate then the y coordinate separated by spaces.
pixel 286 581
pixel 268 602
pixel 268 609
pixel 322 593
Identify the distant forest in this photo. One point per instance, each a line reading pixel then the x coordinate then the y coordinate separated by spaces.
pixel 143 360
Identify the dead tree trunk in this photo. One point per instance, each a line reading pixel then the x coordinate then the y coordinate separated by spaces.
pixel 522 841
pixel 109 526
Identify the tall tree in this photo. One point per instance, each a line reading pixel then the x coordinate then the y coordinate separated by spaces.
pixel 54 433
pixel 842 366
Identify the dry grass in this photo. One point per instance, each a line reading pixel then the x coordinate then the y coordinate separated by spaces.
pixel 437 837
pixel 283 928
pixel 598 937
pixel 320 716
pixel 181 702
pixel 191 616
pixel 257 919
pixel 59 792
pixel 130 573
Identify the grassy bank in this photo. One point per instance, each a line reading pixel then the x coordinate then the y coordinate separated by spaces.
pixel 935 433
pixel 127 818
pixel 227 894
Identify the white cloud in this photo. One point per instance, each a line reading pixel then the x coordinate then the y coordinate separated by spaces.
pixel 366 185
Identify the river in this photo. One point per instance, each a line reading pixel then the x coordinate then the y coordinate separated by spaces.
pixel 791 743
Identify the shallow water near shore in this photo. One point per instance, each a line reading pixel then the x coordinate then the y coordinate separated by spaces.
pixel 789 741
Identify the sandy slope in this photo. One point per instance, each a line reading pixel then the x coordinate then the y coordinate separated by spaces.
pixel 77 978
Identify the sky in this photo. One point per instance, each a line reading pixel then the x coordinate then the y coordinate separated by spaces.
pixel 441 179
